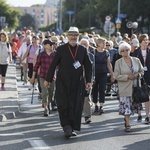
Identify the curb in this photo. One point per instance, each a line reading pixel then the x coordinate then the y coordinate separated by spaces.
pixel 9 104
pixel 9 115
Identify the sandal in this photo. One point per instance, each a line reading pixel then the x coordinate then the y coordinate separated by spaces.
pixel 127 128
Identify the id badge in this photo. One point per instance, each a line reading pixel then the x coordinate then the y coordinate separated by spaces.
pixel 76 64
pixel 145 68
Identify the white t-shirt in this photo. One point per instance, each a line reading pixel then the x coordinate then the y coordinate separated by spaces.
pixel 39 50
pixel 144 55
pixel 22 50
pixel 4 53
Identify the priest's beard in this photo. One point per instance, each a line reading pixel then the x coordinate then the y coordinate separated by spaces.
pixel 73 42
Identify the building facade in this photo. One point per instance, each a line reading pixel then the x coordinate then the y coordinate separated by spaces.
pixel 43 14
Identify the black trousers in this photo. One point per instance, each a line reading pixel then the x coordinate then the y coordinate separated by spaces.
pixel 99 88
pixel 3 70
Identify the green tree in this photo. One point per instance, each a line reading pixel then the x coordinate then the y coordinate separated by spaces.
pixel 136 9
pixel 10 13
pixel 93 12
pixel 87 12
pixel 26 20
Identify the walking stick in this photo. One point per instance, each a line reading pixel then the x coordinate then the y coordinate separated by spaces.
pixel 32 94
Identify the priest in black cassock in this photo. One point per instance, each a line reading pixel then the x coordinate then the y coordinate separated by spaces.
pixel 73 77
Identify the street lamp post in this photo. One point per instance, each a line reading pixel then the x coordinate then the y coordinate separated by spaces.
pixel 2 22
pixel 70 12
pixel 60 17
pixel 118 8
pixel 118 12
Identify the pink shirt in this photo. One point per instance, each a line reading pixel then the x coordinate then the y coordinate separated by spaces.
pixel 32 51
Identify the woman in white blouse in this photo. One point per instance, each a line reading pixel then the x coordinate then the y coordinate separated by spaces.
pixel 5 57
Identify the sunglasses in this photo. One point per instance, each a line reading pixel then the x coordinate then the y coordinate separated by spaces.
pixel 73 35
pixel 107 45
pixel 125 50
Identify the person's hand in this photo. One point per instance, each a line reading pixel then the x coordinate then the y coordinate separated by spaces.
pixel 88 86
pixel 32 80
pixel 112 79
pixel 21 61
pixel 46 84
pixel 132 76
pixel 10 61
pixel 136 75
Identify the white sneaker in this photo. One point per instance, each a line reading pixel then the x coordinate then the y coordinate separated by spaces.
pixel 30 87
pixel 35 87
pixel 24 83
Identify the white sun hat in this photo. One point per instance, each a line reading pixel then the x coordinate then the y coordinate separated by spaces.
pixel 73 30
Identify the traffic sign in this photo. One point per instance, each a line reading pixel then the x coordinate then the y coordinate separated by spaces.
pixel 109 27
pixel 70 12
pixel 118 21
pixel 122 15
pixel 118 26
pixel 107 18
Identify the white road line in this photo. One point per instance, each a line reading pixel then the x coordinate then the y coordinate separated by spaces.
pixel 39 144
pixel 10 134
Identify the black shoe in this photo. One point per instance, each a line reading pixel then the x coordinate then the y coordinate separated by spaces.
pixel 139 119
pixel 74 133
pixel 46 113
pixel 54 108
pixel 101 110
pixel 108 94
pixel 147 120
pixel 114 94
pixel 127 128
pixel 96 109
pixel 67 131
pixel 87 120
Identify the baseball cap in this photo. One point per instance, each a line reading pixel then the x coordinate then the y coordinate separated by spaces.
pixel 48 42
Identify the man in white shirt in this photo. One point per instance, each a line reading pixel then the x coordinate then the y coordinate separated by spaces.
pixel 21 53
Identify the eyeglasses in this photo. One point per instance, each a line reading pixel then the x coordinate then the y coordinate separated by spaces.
pixel 107 45
pixel 125 50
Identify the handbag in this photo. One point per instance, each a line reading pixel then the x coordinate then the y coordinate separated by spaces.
pixel 141 93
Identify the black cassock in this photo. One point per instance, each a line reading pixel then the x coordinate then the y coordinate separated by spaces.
pixel 70 83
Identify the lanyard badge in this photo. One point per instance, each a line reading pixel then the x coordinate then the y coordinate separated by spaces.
pixel 76 64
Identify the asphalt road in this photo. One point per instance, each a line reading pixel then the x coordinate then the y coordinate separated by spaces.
pixel 31 131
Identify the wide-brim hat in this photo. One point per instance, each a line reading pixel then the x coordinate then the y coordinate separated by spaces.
pixel 74 30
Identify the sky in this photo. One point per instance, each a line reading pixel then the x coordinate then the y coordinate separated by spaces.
pixel 24 3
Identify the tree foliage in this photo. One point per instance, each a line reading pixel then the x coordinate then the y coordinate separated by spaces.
pixel 10 13
pixel 26 20
pixel 90 13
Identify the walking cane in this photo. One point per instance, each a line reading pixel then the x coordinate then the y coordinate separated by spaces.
pixel 32 94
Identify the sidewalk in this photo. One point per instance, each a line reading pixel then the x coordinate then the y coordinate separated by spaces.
pixel 9 105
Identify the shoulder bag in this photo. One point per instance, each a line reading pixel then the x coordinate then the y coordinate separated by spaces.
pixel 141 93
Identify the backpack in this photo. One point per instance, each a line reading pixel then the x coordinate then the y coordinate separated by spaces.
pixel 7 45
pixel 40 47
